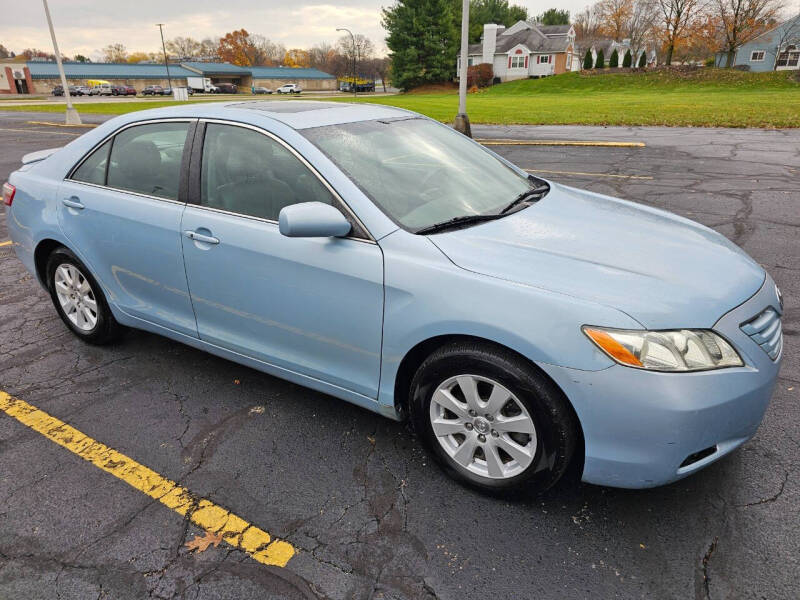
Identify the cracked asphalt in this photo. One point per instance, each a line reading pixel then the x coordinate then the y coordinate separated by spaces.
pixel 369 513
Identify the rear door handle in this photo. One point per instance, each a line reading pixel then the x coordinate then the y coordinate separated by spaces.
pixel 73 202
pixel 199 237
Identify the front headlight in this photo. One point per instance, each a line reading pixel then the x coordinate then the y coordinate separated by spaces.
pixel 679 350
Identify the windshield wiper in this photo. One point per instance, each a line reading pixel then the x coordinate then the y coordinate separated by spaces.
pixel 535 193
pixel 457 222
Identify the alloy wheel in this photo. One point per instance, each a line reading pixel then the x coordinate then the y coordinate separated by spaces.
pixel 76 297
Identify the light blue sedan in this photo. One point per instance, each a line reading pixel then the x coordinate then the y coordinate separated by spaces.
pixel 378 256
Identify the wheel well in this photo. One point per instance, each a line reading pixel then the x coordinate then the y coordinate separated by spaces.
pixel 417 355
pixel 40 256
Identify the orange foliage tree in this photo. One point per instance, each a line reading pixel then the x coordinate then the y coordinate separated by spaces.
pixel 236 47
pixel 741 21
pixel 297 57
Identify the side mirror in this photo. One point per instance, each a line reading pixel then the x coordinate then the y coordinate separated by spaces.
pixel 312 219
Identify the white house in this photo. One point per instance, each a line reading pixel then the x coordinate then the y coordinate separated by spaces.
pixel 526 49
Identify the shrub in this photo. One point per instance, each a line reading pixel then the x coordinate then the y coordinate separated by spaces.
pixel 710 61
pixel 627 59
pixel 613 62
pixel 643 59
pixel 587 60
pixel 600 63
pixel 480 75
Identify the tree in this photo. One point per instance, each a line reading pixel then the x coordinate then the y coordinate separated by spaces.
pixel 114 53
pixel 553 16
pixel 600 63
pixel 422 39
pixel 587 60
pixel 741 21
pixel 236 47
pixel 787 34
pixel 364 50
pixel 641 24
pixel 296 57
pixel 31 53
pixel 627 59
pixel 613 61
pixel 676 16
pixel 3 52
pixel 613 16
pixel 209 48
pixel 137 57
pixel 643 59
pixel 587 24
pixel 489 11
pixel 183 47
pixel 82 59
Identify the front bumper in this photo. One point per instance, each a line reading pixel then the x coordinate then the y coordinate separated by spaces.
pixel 643 428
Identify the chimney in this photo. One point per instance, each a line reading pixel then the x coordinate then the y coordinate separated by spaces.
pixel 489 42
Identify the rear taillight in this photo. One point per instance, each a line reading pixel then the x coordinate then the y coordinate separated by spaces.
pixel 8 193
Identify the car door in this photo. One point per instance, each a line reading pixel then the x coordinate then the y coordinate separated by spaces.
pixel 313 306
pixel 121 210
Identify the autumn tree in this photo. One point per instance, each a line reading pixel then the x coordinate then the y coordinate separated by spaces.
pixel 296 57
pixel 613 16
pixel 236 47
pixel 114 53
pixel 675 19
pixel 553 16
pixel 741 21
pixel 137 57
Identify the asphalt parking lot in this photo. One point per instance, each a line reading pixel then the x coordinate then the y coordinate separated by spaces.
pixel 367 512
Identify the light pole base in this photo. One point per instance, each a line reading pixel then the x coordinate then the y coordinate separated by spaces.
pixel 461 124
pixel 73 118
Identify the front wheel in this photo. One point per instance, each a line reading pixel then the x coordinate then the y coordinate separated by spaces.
pixel 491 419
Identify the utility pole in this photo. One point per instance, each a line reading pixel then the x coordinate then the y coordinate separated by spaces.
pixel 72 117
pixel 352 37
pixel 166 62
pixel 461 123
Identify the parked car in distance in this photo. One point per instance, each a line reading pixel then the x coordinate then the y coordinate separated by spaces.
pixel 123 90
pixel 261 90
pixel 289 88
pixel 226 88
pixel 520 324
pixel 73 91
pixel 82 90
pixel 103 89
pixel 153 90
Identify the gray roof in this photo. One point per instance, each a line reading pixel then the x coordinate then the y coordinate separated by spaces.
pixel 554 29
pixel 531 39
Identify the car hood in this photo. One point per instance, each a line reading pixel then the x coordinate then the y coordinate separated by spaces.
pixel 661 269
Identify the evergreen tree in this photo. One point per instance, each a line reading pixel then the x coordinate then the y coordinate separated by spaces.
pixel 553 16
pixel 626 60
pixel 587 60
pixel 489 11
pixel 600 63
pixel 613 62
pixel 643 59
pixel 423 41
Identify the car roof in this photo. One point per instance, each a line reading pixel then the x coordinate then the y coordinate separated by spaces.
pixel 297 114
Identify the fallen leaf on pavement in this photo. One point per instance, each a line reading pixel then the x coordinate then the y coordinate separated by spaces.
pixel 201 544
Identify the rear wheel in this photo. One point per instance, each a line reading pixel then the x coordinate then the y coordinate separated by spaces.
pixel 79 300
pixel 491 420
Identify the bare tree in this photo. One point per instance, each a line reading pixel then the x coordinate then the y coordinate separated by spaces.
pixel 208 48
pixel 587 24
pixel 114 53
pixel 675 17
pixel 743 20
pixel 786 34
pixel 183 47
pixel 364 48
pixel 641 25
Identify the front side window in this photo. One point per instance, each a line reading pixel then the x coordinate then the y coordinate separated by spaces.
pixel 146 159
pixel 419 172
pixel 517 62
pixel 757 56
pixel 93 169
pixel 249 173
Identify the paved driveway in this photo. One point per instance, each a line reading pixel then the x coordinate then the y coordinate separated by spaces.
pixel 369 515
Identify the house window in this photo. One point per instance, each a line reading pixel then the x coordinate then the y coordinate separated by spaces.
pixel 789 57
pixel 470 61
pixel 517 62
pixel 544 59
pixel 757 56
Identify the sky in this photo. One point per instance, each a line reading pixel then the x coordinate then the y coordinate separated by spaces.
pixel 84 26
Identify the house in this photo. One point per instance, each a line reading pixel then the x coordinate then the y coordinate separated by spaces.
pixel 608 47
pixel 526 49
pixel 776 49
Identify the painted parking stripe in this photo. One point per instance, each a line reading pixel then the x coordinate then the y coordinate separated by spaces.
pixel 31 130
pixel 235 531
pixel 581 174
pixel 588 143
pixel 53 124
pixel 8 243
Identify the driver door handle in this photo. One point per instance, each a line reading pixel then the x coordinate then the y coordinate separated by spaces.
pixel 73 202
pixel 199 237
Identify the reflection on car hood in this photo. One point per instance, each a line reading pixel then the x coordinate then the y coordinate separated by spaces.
pixel 661 269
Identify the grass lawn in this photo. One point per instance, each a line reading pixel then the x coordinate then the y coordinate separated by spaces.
pixel 702 98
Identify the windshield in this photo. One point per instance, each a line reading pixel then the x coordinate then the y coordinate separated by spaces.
pixel 419 172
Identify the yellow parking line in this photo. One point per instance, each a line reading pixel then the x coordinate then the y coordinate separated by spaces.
pixel 52 124
pixel 41 131
pixel 601 144
pixel 234 530
pixel 588 174
pixel 8 243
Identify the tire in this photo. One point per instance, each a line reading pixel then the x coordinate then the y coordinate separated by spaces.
pixel 531 439
pixel 63 266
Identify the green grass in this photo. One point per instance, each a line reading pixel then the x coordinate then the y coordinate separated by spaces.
pixel 704 98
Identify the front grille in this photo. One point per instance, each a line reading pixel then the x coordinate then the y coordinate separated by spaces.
pixel 765 330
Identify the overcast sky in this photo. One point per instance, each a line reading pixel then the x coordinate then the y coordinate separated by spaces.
pixel 85 26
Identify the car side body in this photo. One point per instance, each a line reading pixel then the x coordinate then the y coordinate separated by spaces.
pixel 527 283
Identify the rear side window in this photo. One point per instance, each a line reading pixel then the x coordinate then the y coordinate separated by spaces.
pixel 93 169
pixel 146 159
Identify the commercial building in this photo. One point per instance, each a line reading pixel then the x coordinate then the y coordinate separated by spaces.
pixel 41 77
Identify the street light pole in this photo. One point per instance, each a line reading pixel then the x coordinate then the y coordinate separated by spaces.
pixel 166 62
pixel 352 37
pixel 461 123
pixel 72 117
